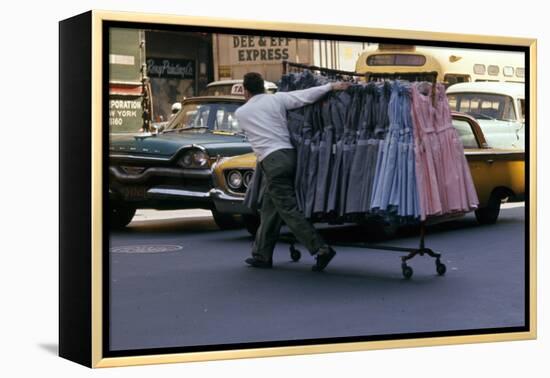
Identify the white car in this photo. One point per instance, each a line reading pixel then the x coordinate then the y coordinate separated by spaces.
pixel 233 88
pixel 499 108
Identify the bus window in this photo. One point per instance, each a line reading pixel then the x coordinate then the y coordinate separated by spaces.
pixel 451 79
pixel 508 71
pixel 493 70
pixel 419 76
pixel 396 60
pixel 479 69
pixel 520 72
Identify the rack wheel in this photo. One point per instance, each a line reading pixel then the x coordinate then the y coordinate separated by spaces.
pixel 440 267
pixel 295 254
pixel 407 271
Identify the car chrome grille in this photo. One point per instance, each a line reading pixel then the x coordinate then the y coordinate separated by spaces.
pixel 130 170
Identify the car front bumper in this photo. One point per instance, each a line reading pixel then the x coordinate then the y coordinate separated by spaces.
pixel 228 203
pixel 162 188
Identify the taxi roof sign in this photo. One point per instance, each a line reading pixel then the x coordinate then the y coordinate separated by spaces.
pixel 237 89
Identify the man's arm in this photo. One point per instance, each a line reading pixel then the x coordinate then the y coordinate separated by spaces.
pixel 299 98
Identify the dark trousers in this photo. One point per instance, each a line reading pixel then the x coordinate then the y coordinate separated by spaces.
pixel 279 205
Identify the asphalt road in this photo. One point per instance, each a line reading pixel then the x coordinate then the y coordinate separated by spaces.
pixel 200 292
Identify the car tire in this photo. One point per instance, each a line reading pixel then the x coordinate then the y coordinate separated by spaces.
pixel 489 214
pixel 251 223
pixel 121 215
pixel 226 221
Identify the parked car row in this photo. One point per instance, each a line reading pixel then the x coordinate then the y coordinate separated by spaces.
pixel 201 159
pixel 172 169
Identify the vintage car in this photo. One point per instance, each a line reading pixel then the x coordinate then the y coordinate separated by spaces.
pixel 498 107
pixel 172 169
pixel 498 174
pixel 233 88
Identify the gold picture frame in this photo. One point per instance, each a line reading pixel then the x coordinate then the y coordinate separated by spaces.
pixel 82 307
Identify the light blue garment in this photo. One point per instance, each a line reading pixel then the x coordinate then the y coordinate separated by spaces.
pixel 394 191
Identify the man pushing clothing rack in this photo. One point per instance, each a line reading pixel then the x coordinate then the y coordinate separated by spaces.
pixel 263 119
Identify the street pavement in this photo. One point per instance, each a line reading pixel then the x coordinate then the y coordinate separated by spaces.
pixel 179 281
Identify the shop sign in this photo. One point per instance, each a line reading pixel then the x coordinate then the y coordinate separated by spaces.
pixel 125 114
pixel 170 68
pixel 254 49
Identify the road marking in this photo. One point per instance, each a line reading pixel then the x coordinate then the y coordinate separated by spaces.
pixel 146 248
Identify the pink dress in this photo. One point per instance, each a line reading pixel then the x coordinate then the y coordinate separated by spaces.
pixel 444 182
pixel 462 195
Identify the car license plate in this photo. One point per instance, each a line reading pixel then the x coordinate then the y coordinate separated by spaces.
pixel 134 192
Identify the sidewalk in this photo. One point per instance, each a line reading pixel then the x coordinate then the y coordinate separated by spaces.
pixel 149 215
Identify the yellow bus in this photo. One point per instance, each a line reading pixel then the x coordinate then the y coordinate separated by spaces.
pixel 446 65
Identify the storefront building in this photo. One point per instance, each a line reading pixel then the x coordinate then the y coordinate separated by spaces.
pixel 126 57
pixel 179 65
pixel 235 55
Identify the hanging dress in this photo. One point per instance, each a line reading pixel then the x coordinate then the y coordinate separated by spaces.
pixel 313 160
pixel 427 151
pixel 458 185
pixel 386 176
pixel 349 145
pixel 359 175
pixel 325 157
pixel 444 180
pixel 340 104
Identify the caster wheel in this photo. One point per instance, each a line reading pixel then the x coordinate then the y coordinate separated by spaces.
pixel 407 271
pixel 295 254
pixel 440 267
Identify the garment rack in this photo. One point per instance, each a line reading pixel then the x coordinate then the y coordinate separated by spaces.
pixel 407 271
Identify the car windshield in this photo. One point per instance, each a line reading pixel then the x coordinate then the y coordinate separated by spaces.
pixel 218 90
pixel 483 105
pixel 214 116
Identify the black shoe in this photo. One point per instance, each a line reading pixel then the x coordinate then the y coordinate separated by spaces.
pixel 256 263
pixel 323 258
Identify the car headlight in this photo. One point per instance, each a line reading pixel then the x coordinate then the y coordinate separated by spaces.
pixel 247 177
pixel 200 158
pixel 234 179
pixel 194 159
pixel 187 159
